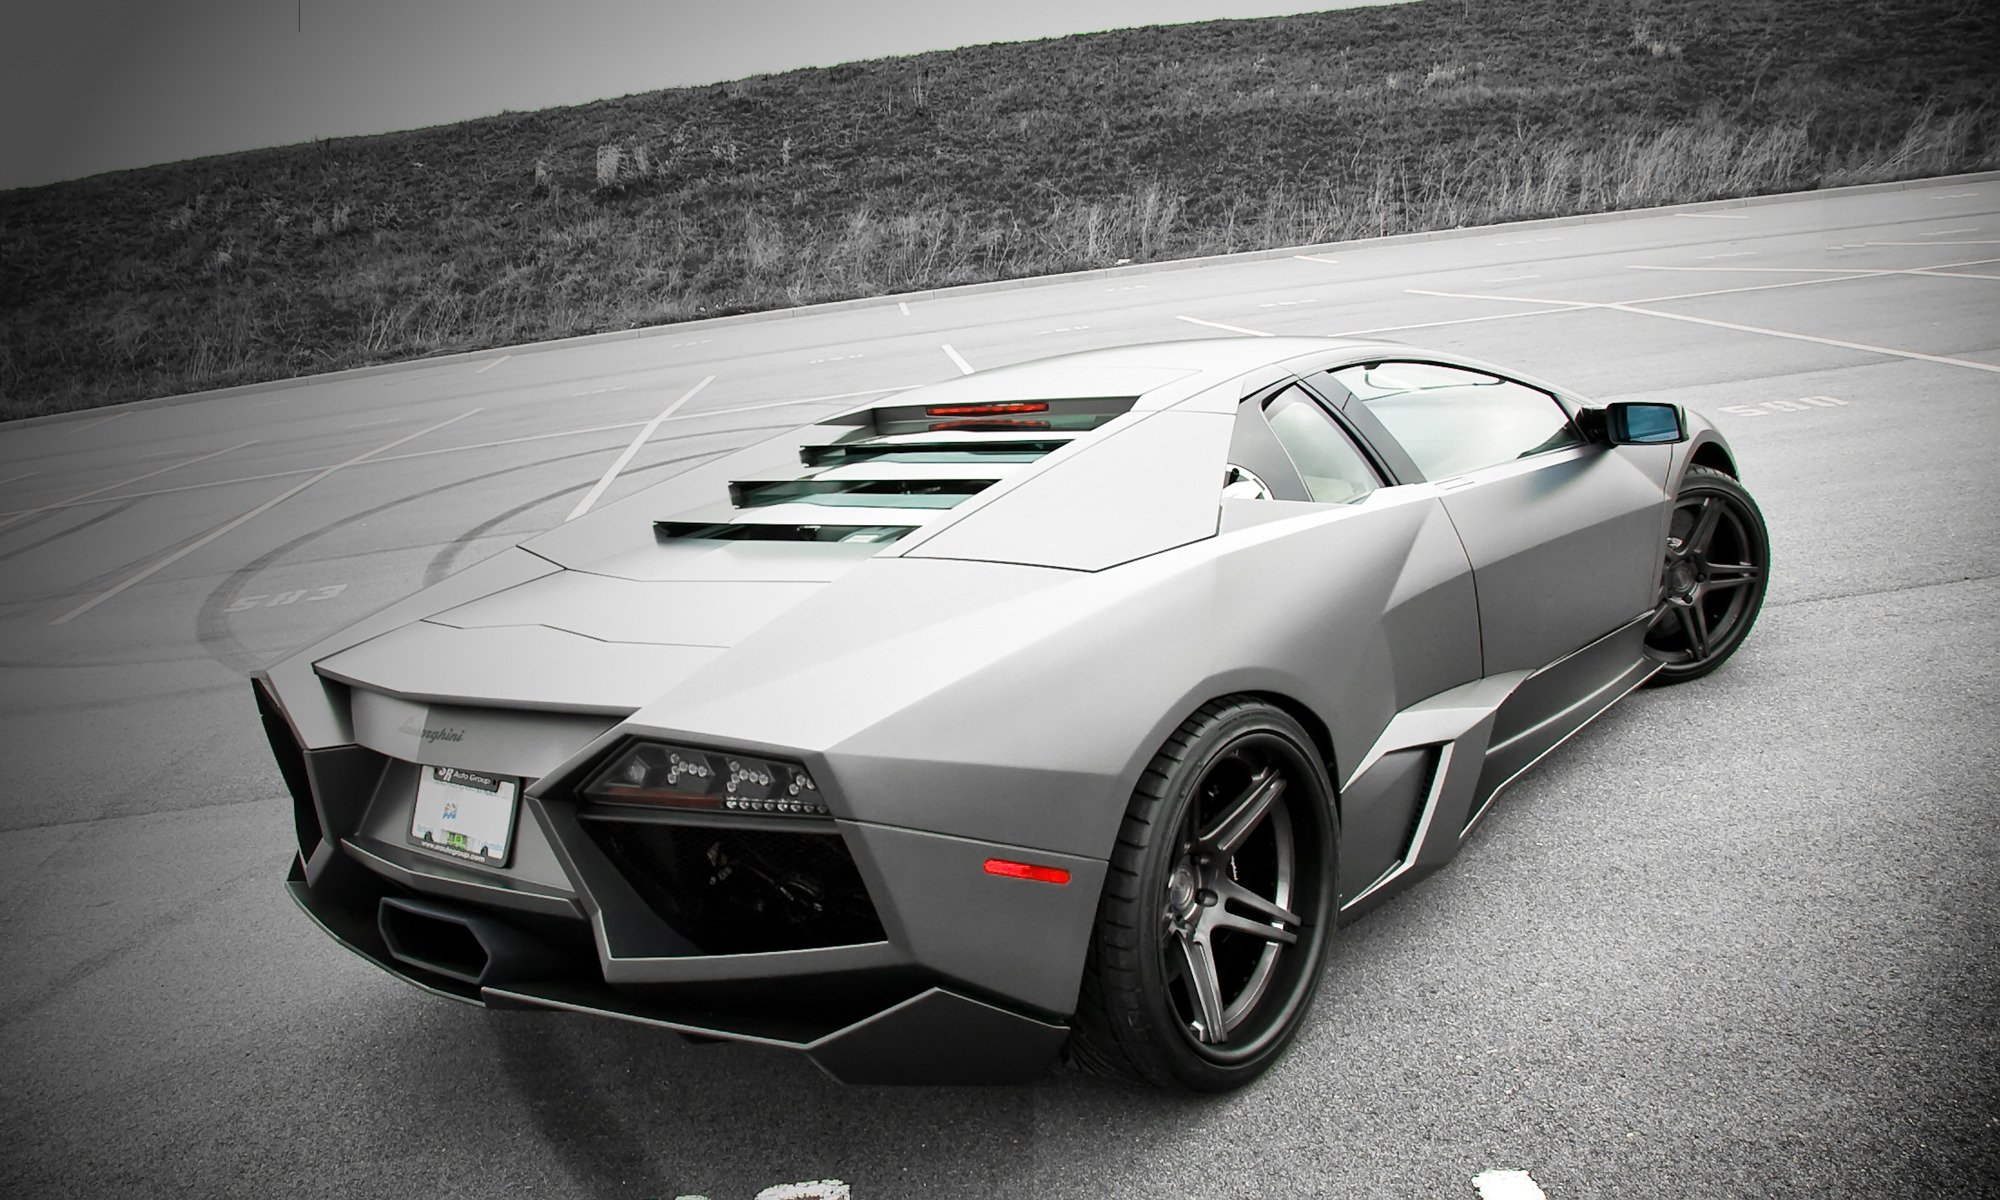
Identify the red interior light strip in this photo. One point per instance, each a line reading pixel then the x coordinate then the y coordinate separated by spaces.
pixel 1021 870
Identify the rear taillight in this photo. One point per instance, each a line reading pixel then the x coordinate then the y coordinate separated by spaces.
pixel 1012 408
pixel 673 776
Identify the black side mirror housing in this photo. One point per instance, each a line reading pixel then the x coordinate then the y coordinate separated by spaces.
pixel 1644 424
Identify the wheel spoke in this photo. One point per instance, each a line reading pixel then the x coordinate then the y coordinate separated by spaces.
pixel 1703 532
pixel 1233 892
pixel 1198 961
pixel 1695 626
pixel 1721 575
pixel 1253 927
pixel 1227 835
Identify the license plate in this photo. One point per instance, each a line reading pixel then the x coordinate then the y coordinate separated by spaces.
pixel 465 814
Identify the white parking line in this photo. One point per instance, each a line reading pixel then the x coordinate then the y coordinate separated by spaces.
pixel 10 518
pixel 1633 307
pixel 1807 337
pixel 1331 262
pixel 1507 1185
pixel 1509 278
pixel 964 368
pixel 1505 316
pixel 611 473
pixel 489 366
pixel 1228 328
pixel 904 305
pixel 1857 272
pixel 265 507
pixel 1949 232
pixel 1849 272
pixel 1716 216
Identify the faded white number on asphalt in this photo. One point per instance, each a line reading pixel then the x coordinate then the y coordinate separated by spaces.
pixel 1802 404
pixel 246 603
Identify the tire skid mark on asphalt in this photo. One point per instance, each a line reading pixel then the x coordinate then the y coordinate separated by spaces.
pixel 138 935
pixel 229 525
pixel 60 534
pixel 23 514
pixel 442 565
pixel 103 420
pixel 217 633
pixel 610 1161
pixel 18 478
pixel 1863 593
pixel 618 427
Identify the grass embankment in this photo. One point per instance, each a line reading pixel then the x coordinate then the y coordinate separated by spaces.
pixel 967 165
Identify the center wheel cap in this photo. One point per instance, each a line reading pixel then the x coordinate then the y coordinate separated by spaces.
pixel 1182 891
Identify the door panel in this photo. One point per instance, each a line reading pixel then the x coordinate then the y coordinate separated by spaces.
pixel 1565 547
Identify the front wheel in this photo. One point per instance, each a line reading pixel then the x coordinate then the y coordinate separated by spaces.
pixel 1218 907
pixel 1717 566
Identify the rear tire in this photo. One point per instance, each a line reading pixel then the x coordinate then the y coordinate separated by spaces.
pixel 1218 907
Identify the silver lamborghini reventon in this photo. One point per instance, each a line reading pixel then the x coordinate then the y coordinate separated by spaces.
pixel 1069 706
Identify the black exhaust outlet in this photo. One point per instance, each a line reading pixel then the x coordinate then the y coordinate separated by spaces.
pixel 467 946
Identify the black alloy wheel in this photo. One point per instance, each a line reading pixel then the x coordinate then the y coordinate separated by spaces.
pixel 1218 907
pixel 1712 586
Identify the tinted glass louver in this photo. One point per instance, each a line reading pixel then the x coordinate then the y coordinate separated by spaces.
pixel 747 532
pixel 858 493
pixel 1010 450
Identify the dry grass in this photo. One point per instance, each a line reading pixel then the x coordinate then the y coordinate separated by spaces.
pixel 985 163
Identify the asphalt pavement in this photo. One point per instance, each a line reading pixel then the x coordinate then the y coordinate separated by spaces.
pixel 1739 938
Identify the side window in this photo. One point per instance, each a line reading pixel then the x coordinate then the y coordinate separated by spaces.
pixel 1332 468
pixel 1450 420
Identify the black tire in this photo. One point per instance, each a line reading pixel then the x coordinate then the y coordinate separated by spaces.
pixel 1230 832
pixel 1718 564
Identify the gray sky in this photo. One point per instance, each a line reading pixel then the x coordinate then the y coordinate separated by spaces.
pixel 96 85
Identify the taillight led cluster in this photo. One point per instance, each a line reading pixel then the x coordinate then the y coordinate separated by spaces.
pixel 658 773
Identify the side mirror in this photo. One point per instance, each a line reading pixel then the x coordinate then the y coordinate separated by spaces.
pixel 1644 424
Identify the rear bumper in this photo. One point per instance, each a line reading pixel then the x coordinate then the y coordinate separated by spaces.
pixel 933 1036
pixel 964 978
